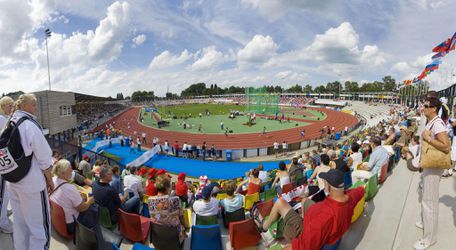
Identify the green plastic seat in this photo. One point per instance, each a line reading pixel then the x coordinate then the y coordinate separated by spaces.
pixel 270 194
pixel 371 187
pixel 105 218
pixel 206 220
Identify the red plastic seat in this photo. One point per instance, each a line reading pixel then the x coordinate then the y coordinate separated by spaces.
pixel 265 207
pixel 58 220
pixel 287 188
pixel 244 234
pixel 383 173
pixel 133 226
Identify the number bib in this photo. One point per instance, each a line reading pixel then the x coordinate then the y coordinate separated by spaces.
pixel 7 163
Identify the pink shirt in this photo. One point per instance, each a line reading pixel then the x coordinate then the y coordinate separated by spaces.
pixel 68 197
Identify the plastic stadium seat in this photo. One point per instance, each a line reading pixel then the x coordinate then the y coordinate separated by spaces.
pixel 145 210
pixel 206 237
pixel 237 215
pixel 58 220
pixel 138 246
pixel 164 237
pixel 221 196
pixel 383 173
pixel 347 180
pixel 287 188
pixel 358 210
pixel 270 194
pixel 334 246
pixel 105 218
pixel 206 220
pixel 391 163
pixel 250 199
pixel 188 216
pixel 371 187
pixel 265 207
pixel 244 234
pixel 99 238
pixel 133 226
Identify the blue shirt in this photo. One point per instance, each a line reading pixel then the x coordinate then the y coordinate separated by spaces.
pixel 231 205
pixel 376 160
pixel 117 184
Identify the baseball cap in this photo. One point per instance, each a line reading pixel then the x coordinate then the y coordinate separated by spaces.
pixel 334 177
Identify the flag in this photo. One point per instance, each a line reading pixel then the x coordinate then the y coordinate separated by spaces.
pixel 439 56
pixel 452 42
pixel 443 47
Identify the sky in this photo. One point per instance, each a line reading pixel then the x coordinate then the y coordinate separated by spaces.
pixel 106 47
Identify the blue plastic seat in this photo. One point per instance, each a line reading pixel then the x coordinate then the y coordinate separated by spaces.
pixel 138 246
pixel 347 180
pixel 206 237
pixel 334 246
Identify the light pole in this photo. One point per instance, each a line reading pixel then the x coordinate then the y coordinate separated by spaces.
pixel 47 33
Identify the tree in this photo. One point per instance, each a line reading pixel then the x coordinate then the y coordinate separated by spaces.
pixel 195 90
pixel 140 96
pixel 295 89
pixel 320 89
pixel 389 83
pixel 334 87
pixel 351 86
pixel 307 89
pixel 278 89
pixel 119 96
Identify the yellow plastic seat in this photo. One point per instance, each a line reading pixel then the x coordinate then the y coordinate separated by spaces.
pixel 221 196
pixel 359 208
pixel 188 216
pixel 250 199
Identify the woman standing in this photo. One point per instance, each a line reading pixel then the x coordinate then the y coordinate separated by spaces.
pixel 29 196
pixel 435 134
pixel 6 106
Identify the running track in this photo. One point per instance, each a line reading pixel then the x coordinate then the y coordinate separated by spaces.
pixel 234 141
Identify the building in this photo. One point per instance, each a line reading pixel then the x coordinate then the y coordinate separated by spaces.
pixel 55 112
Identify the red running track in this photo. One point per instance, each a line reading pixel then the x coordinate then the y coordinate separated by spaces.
pixel 235 141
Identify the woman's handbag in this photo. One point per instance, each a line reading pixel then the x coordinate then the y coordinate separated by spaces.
pixel 434 158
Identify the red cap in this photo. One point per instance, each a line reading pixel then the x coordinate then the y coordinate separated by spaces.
pixel 181 176
pixel 152 172
pixel 86 157
pixel 161 171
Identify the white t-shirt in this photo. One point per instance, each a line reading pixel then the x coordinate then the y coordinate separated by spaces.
pixel 436 126
pixel 206 209
pixel 3 121
pixel 276 145
pixel 132 183
pixel 263 175
pixel 138 141
pixel 357 159
pixel 68 197
pixel 284 145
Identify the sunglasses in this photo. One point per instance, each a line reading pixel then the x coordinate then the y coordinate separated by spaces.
pixel 428 106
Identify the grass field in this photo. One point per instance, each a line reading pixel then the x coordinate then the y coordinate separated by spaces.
pixel 211 124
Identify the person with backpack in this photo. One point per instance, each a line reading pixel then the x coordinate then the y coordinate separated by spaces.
pixel 27 166
pixel 6 106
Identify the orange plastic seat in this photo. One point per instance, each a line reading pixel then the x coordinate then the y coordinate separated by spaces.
pixel 287 188
pixel 244 234
pixel 133 226
pixel 383 173
pixel 58 220
pixel 265 207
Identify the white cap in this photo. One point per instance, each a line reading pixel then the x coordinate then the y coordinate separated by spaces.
pixel 366 142
pixel 359 142
pixel 443 100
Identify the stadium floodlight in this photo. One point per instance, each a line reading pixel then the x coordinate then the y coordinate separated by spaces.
pixel 47 33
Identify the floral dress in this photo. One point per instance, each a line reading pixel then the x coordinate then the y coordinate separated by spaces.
pixel 166 210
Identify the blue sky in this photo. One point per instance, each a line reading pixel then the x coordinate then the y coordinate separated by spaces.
pixel 105 47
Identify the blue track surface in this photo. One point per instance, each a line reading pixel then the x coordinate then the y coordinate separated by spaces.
pixel 195 168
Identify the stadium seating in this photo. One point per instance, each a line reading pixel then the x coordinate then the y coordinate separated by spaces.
pixel 265 207
pixel 250 199
pixel 371 187
pixel 244 234
pixel 229 217
pixel 133 227
pixel 287 188
pixel 270 194
pixel 99 238
pixel 105 218
pixel 383 173
pixel 359 208
pixel 206 237
pixel 164 237
pixel 58 220
pixel 206 220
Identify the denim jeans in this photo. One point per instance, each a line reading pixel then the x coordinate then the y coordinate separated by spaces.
pixel 131 205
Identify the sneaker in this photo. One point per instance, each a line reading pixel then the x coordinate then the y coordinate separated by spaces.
pixel 421 245
pixel 6 229
pixel 419 224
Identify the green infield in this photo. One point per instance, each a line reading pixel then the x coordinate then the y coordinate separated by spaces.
pixel 211 123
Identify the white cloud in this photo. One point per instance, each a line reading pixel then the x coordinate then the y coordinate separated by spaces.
pixel 138 40
pixel 166 59
pixel 258 50
pixel 109 36
pixel 340 45
pixel 210 58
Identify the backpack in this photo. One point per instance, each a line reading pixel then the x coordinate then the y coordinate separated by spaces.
pixel 14 164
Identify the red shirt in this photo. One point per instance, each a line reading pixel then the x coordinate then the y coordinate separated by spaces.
pixel 176 146
pixel 181 188
pixel 325 222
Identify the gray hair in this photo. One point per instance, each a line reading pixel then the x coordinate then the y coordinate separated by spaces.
pixel 332 154
pixel 61 167
pixel 104 171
